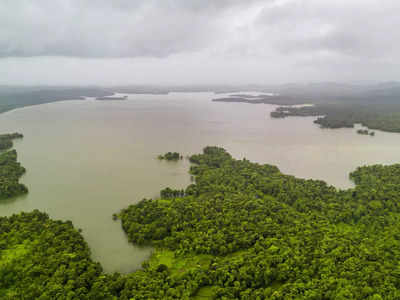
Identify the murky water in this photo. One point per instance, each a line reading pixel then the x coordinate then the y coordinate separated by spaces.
pixel 87 159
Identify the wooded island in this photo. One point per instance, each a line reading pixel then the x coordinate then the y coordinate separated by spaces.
pixel 174 156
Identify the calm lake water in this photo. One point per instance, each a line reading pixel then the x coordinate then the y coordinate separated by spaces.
pixel 88 159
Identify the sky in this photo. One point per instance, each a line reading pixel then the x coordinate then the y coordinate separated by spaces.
pixel 181 42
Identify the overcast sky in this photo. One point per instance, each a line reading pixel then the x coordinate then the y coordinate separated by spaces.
pixel 198 41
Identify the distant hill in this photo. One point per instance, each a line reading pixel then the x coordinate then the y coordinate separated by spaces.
pixel 14 97
pixel 376 105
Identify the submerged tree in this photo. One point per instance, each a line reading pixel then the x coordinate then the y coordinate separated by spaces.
pixel 170 156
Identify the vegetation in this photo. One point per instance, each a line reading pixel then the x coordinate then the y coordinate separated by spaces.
pixel 168 193
pixel 273 236
pixel 365 132
pixel 241 231
pixel 6 140
pixel 174 156
pixel 10 172
pixel 45 259
pixel 15 97
pixel 375 106
pixel 345 115
pixel 10 169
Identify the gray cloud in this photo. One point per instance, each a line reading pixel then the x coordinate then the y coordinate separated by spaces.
pixel 121 28
pixel 355 28
pixel 198 41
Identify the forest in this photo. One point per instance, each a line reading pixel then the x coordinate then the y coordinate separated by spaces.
pixel 171 156
pixel 344 115
pixel 10 169
pixel 241 230
pixel 6 140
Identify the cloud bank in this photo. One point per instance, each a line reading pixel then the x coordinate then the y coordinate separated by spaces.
pixel 194 41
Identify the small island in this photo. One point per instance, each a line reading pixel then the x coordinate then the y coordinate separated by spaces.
pixel 112 98
pixel 365 132
pixel 171 156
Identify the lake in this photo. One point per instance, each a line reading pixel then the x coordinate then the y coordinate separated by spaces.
pixel 88 159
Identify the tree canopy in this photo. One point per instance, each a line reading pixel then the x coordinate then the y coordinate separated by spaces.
pixel 10 169
pixel 170 156
pixel 6 140
pixel 241 230
pixel 274 236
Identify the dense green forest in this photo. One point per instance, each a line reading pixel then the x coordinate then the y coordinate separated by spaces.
pixel 10 169
pixel 45 259
pixel 382 117
pixel 10 172
pixel 170 156
pixel 6 140
pixel 242 230
pixel 271 236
